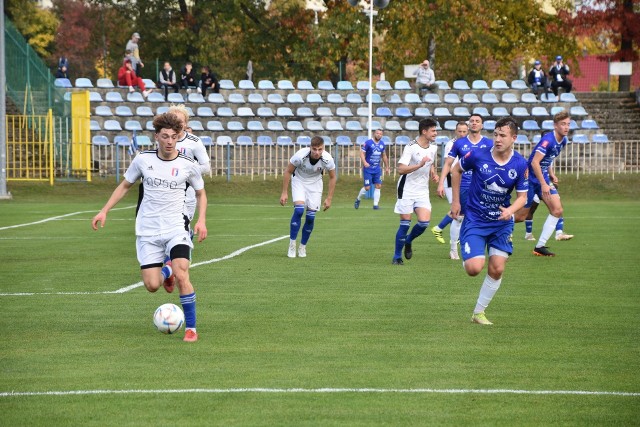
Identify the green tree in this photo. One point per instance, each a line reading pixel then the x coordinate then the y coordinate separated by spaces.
pixel 38 26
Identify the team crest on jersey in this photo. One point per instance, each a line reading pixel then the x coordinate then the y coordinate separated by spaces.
pixel 544 144
pixel 513 174
pixel 174 171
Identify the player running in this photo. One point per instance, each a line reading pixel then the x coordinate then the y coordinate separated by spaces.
pixel 372 151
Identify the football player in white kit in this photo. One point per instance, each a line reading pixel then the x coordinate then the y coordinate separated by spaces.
pixel 415 166
pixel 160 226
pixel 305 171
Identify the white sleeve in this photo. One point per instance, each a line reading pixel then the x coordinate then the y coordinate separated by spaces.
pixel 195 179
pixel 202 156
pixel 405 158
pixel 133 172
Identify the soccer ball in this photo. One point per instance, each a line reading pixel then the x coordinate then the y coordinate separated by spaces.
pixel 168 318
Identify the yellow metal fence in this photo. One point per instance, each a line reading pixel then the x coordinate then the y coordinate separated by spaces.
pixel 30 155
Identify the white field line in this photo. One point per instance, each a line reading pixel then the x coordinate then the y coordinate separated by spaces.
pixel 139 284
pixel 53 218
pixel 321 391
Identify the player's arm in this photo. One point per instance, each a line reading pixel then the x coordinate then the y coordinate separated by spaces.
pixel 201 227
pixel 117 195
pixel 405 169
pixel 333 178
pixel 202 156
pixel 456 177
pixel 552 175
pixel 385 162
pixel 363 159
pixel 446 169
pixel 537 171
pixel 433 171
pixel 507 213
pixel 285 183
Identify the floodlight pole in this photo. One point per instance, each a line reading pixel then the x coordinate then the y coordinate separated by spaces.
pixel 370 67
pixel 3 112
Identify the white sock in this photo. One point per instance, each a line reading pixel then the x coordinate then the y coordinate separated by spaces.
pixel 454 233
pixel 376 196
pixel 487 291
pixel 547 230
pixel 361 193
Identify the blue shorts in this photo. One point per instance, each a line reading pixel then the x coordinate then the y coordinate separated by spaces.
pixel 464 192
pixel 535 189
pixel 476 237
pixel 371 177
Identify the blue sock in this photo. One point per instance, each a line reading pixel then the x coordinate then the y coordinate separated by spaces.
pixel 560 224
pixel 445 221
pixel 308 226
pixel 417 230
pixel 401 237
pixel 166 272
pixel 296 220
pixel 189 307
pixel 528 224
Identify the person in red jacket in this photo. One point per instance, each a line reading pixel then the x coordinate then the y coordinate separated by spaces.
pixel 127 77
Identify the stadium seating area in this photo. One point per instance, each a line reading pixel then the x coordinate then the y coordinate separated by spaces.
pixel 269 113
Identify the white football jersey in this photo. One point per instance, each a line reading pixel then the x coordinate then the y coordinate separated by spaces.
pixel 161 209
pixel 416 184
pixel 308 173
pixel 192 146
pixel 447 148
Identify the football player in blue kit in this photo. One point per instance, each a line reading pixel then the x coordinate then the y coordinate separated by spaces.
pixel 372 152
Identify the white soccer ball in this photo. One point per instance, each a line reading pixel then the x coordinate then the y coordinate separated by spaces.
pixel 168 318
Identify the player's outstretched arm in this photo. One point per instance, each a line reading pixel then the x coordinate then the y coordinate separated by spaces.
pixel 333 178
pixel 117 195
pixel 446 169
pixel 286 179
pixel 201 227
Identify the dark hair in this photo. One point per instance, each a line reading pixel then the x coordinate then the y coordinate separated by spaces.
pixel 167 121
pixel 562 115
pixel 477 115
pixel 188 63
pixel 508 122
pixel 316 141
pixel 462 123
pixel 426 124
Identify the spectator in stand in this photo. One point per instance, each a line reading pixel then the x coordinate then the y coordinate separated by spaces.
pixel 249 75
pixel 208 80
pixel 558 74
pixel 127 77
pixel 63 62
pixel 538 79
pixel 168 80
pixel 188 77
pixel 425 77
pixel 132 45
pixel 62 73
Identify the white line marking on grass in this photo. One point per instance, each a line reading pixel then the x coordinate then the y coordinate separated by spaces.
pixel 139 284
pixel 53 218
pixel 323 390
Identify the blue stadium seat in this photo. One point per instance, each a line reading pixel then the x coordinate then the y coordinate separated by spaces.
pixel 83 82
pixel 305 112
pixel 305 85
pixel 303 140
pixel 393 98
pixel 190 111
pixel 383 85
pixel 294 98
pixel 195 98
pixel 345 85
pixel 374 125
pixel 122 140
pixel 600 138
pixel 479 85
pixel 155 97
pixel 149 84
pixel 539 112
pixel 333 125
pixel 411 125
pixel 489 125
pixel 412 98
pixel 450 125
pixel 362 85
pixel 461 85
pixel 568 97
pixel 470 98
pixel 133 125
pixel 204 112
pixel 482 111
pixel 162 109
pixel 519 85
pixel 123 111
pixel 143 111
pixel 402 85
pixel 536 138
pixel 264 112
pixel 314 126
pixel 112 125
pixel 451 98
pixel 244 141
pixel 65 83
pixel 343 141
pixel 353 125
pixel 225 112
pixel 285 85
pixel 589 124
pixel 284 112
pixel 529 98
pixel 275 126
pixel 362 112
pixel 520 112
pixel 547 124
pixel 314 98
pixel 214 126
pixel 235 126
pixel 489 98
pixel 216 98
pixel 556 109
pixel 294 126
pixel 255 126
pixel 510 98
pixel 113 97
pixel 392 125
pixel 344 112
pixel 236 98
pixel 324 112
pixel 275 98
pixel 94 126
pixel 325 85
pixel 402 140
pixel 100 140
pixel 134 97
pixel 103 111
pixel 387 140
pixel 578 111
pixel 206 141
pixel 255 98
pixel 522 139
pixel 354 98
pixel 383 112
pixel 573 125
pixel 441 112
pixel 264 141
pixel 266 85
pixel 443 85
pixel 422 112
pixel 461 112
pixel 149 125
pixel 403 112
pixel 245 112
pixel 335 98
pixel 530 125
pixel 432 98
pixel 499 85
pixel 196 125
pixel 580 138
pixel 284 141
pixel 246 85
pixel 548 97
pixel 376 99
pixel 361 139
pixel 442 139
pixel 224 140
pixel 104 83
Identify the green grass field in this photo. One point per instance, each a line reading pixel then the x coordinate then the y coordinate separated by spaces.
pixel 342 318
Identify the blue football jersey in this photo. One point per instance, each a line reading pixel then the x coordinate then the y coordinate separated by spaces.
pixel 373 154
pixel 460 149
pixel 550 148
pixel 492 183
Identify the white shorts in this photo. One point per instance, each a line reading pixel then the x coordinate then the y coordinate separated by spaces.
pixel 449 193
pixel 310 194
pixel 154 249
pixel 407 206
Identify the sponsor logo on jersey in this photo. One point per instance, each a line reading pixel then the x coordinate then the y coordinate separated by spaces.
pixel 544 144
